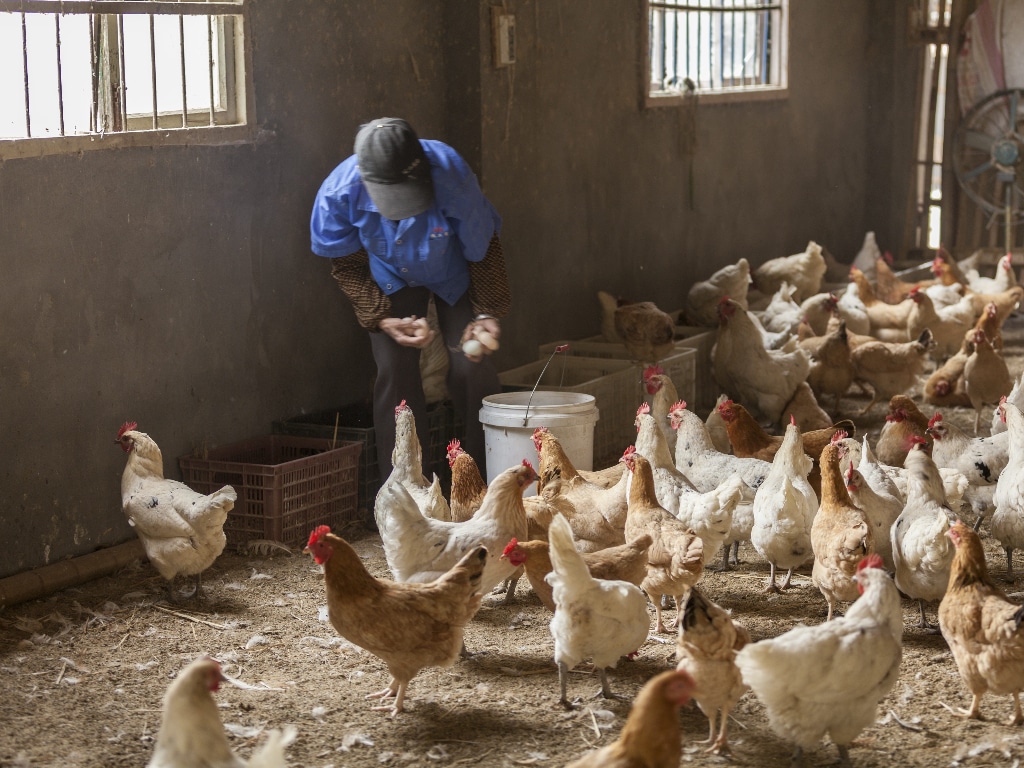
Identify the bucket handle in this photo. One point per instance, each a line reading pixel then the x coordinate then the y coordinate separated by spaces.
pixel 559 348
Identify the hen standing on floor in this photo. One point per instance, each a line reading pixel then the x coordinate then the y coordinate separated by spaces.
pixel 181 530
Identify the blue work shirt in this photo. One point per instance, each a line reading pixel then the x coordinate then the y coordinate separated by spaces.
pixel 430 249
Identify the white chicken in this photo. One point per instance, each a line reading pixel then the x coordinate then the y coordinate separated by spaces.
pixel 1016 397
pixel 784 510
pixel 181 530
pixel 782 315
pixel 763 380
pixel 421 549
pixel 881 512
pixel 829 678
pixel 702 299
pixel 980 459
pixel 804 271
pixel 1007 523
pixel 867 257
pixel 407 463
pixel 921 550
pixel 707 468
pixel 594 618
pixel 708 514
pixel 1004 279
pixel 191 733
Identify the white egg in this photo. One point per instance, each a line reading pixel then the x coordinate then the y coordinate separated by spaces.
pixel 472 348
pixel 486 339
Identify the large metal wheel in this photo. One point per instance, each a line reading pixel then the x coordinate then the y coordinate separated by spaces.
pixel 988 152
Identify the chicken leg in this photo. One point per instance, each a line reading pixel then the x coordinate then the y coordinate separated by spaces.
pixel 563 679
pixel 395 689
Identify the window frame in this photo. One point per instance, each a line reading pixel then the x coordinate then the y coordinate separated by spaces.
pixel 651 100
pixel 237 77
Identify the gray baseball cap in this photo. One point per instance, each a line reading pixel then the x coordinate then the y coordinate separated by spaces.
pixel 394 168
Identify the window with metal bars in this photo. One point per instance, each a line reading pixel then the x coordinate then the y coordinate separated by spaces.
pixel 103 68
pixel 716 47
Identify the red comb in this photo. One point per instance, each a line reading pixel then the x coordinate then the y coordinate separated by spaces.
pixel 399 407
pixel 527 464
pixel 644 408
pixel 562 348
pixel 873 560
pixel 510 546
pixel 678 405
pixel 630 450
pixel 935 419
pixel 652 370
pixel 724 299
pixel 318 533
pixel 838 436
pixel 792 419
pixel 128 426
pixel 849 473
pixel 454 444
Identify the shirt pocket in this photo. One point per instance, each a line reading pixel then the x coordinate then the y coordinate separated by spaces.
pixel 436 244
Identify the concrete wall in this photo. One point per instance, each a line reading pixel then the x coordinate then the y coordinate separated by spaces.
pixel 175 287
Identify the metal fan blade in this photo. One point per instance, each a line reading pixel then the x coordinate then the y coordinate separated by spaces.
pixel 978 140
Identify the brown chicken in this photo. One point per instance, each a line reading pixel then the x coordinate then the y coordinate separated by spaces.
pixel 650 738
pixel 890 368
pixel 675 559
pixel 626 562
pixel 1005 301
pixel 831 366
pixel 408 626
pixel 888 285
pixel 468 485
pixel 903 421
pixel 992 324
pixel 749 440
pixel 982 627
pixel 841 535
pixel 708 641
pixel 887 322
pixel 986 377
pixel 945 387
pixel 600 513
pixel 647 332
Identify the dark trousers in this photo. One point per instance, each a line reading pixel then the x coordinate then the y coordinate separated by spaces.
pixel 398 377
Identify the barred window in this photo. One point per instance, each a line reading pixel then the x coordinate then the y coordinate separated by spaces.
pixel 716 47
pixel 77 74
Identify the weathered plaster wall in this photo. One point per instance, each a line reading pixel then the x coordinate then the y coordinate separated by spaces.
pixel 174 286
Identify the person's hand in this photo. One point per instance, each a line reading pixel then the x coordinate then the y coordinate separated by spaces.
pixel 408 331
pixel 481 336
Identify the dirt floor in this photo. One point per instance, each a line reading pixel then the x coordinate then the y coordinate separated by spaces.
pixel 82 674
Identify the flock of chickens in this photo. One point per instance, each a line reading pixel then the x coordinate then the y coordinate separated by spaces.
pixel 877 522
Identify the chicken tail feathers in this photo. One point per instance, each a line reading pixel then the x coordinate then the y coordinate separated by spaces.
pixel 271 754
pixel 566 561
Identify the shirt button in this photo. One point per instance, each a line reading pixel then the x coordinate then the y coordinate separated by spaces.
pixel 398 242
pixel 388 286
pixel 404 269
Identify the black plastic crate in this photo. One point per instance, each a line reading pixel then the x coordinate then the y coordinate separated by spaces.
pixel 355 423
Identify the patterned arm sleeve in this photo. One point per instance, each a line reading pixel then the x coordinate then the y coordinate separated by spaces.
pixel 489 291
pixel 370 303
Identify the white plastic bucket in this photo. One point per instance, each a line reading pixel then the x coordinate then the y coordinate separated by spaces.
pixel 508 427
